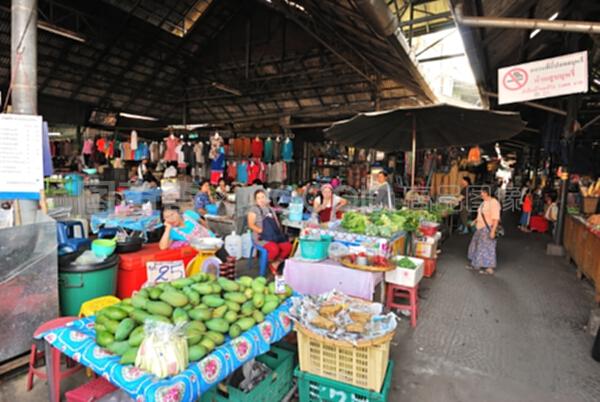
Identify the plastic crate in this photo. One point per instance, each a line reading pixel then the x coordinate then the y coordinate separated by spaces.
pixel 315 249
pixel 363 366
pixel 312 388
pixel 273 388
pixel 429 267
pixel 132 266
pixel 90 391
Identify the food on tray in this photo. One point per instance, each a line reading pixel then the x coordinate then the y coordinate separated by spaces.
pixel 386 223
pixel 371 260
pixel 360 316
pixel 356 327
pixel 330 310
pixel 324 323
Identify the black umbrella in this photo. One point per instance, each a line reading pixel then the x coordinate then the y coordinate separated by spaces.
pixel 425 127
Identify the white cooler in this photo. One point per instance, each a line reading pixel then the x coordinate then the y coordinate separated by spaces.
pixel 404 276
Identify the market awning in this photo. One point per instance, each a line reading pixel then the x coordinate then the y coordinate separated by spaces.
pixel 435 126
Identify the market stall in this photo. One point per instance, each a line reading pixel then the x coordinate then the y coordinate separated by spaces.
pixel 582 244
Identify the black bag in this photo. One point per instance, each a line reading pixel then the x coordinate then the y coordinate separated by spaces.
pixel 271 231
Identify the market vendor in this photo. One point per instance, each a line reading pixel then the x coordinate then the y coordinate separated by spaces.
pixel 181 228
pixel 327 205
pixel 267 232
pixel 222 189
pixel 385 194
pixel 203 198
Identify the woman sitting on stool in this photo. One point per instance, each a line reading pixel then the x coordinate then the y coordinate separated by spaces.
pixel 266 231
pixel 181 228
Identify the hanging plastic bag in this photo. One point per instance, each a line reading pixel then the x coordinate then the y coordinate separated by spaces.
pixel 164 350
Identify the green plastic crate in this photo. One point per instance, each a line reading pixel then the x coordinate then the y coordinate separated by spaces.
pixel 313 388
pixel 273 388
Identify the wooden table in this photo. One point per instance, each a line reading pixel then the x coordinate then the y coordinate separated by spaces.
pixel 583 247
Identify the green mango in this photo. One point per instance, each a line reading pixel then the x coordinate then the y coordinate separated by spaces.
pixel 104 338
pixel 179 316
pixel 136 337
pixel 129 356
pixel 124 329
pixel 234 331
pixel 118 348
pixel 218 325
pixel 160 308
pixel 196 352
pixel 200 314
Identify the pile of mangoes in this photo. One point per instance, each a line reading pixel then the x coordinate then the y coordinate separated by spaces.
pixel 209 308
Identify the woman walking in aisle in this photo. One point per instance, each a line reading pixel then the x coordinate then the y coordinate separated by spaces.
pixel 482 249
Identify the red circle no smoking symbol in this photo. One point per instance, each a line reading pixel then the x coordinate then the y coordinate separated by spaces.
pixel 514 79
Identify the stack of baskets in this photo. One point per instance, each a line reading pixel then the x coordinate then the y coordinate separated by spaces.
pixel 329 369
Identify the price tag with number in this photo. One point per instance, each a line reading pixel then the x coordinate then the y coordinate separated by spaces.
pixel 165 271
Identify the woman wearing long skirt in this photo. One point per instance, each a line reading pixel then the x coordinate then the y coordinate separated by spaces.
pixel 482 249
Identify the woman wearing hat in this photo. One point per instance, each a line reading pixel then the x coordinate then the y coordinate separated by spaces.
pixel 328 205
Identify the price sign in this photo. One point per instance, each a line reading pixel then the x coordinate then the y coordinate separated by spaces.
pixel 165 271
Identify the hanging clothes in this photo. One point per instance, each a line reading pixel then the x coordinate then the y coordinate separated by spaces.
pixel 277 150
pixel 117 150
pixel 87 147
pixel 110 149
pixel 231 171
pixel 171 151
pixel 162 147
pixel 126 151
pixel 253 172
pixel 474 156
pixel 257 148
pixel 268 150
pixel 231 147
pixel 246 147
pixel 100 144
pixel 188 154
pixel 242 172
pixel 134 140
pixel 262 176
pixel 216 142
pixel 198 150
pixel 288 150
pixel 154 151
pixel 180 157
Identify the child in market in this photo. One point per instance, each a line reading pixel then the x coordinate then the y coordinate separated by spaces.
pixel 526 209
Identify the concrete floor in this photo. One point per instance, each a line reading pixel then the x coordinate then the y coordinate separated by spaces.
pixel 518 336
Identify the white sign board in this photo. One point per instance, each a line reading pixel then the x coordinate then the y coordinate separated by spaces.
pixel 21 156
pixel 546 78
pixel 164 271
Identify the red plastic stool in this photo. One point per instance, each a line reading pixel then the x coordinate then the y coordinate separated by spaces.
pixel 403 292
pixel 538 223
pixel 35 355
pixel 90 391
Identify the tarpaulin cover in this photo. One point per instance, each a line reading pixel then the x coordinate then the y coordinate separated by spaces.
pixel 437 126
pixel 28 283
pixel 77 341
pixel 140 223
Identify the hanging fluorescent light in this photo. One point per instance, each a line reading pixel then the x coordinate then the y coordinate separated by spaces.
pixel 537 31
pixel 54 134
pixel 65 33
pixel 137 116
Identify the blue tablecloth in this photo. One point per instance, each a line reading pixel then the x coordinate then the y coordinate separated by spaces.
pixel 140 223
pixel 142 196
pixel 77 340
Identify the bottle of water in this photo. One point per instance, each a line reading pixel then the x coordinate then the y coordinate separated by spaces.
pixel 296 207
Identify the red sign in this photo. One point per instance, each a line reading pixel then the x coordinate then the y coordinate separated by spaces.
pixel 515 78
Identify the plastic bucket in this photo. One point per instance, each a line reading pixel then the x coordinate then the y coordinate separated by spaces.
pixel 313 249
pixel 80 283
pixel 212 209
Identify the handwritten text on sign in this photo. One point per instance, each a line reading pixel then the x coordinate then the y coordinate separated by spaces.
pixel 165 271
pixel 546 78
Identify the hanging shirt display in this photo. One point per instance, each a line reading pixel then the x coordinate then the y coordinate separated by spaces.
pixel 231 171
pixel 242 172
pixel 188 154
pixel 161 149
pixel 218 163
pixel 180 157
pixel 474 156
pixel 100 144
pixel 288 150
pixel 268 150
pixel 154 151
pixel 246 147
pixel 198 150
pixel 87 147
pixel 171 153
pixel 134 140
pixel 253 172
pixel 257 148
pixel 276 150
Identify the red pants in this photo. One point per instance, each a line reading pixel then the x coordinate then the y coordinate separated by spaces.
pixel 278 250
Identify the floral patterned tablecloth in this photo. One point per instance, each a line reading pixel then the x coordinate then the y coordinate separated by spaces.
pixel 77 340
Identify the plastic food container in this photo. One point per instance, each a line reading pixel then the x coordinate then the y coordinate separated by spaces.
pixel 103 247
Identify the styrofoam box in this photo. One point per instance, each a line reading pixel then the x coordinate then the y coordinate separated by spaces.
pixel 404 276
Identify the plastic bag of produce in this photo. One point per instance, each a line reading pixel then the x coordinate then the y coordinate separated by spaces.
pixel 164 350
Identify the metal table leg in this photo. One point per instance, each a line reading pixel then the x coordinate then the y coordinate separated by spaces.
pixel 53 392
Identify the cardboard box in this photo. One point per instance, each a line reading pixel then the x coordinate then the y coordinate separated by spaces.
pixel 425 247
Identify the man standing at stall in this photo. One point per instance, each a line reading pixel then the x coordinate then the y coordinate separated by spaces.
pixel 385 194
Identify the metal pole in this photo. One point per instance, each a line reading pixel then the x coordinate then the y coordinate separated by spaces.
pixel 526 23
pixel 413 163
pixel 23 59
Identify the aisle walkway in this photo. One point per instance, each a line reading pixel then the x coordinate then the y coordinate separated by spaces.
pixel 517 336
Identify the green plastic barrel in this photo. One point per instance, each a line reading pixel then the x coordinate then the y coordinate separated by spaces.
pixel 80 283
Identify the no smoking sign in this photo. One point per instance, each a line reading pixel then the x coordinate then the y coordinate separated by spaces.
pixel 515 79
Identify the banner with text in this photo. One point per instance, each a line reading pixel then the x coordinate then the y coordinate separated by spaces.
pixel 546 78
